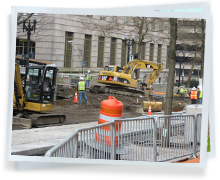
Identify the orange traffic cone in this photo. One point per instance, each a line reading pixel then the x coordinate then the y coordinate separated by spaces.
pixel 76 98
pixel 149 110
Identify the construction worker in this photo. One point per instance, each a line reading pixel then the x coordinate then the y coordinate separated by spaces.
pixel 181 91
pixel 193 96
pixel 199 95
pixel 81 86
pixel 88 78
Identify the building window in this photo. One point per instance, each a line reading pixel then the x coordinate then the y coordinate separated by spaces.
pixel 114 19
pixel 21 47
pixel 68 49
pixel 100 51
pixel 125 20
pixel 102 17
pixel 89 16
pixel 160 25
pixel 142 55
pixel 87 49
pixel 153 26
pixel 123 54
pixel 112 51
pixel 159 52
pixel 151 52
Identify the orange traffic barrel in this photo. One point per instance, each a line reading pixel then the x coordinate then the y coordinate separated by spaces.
pixel 110 109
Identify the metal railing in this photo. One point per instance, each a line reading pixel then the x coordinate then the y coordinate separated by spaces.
pixel 72 79
pixel 153 139
pixel 174 136
pixel 160 87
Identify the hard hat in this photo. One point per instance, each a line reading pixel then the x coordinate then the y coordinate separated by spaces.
pixel 193 88
pixel 88 71
pixel 198 87
pixel 81 78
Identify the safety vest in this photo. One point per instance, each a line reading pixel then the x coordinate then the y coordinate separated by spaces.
pixel 181 90
pixel 81 86
pixel 193 95
pixel 200 95
pixel 186 91
pixel 88 76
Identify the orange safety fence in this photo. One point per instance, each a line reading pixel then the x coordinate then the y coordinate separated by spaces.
pixel 197 160
pixel 159 92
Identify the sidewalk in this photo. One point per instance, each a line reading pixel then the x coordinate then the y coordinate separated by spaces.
pixel 37 141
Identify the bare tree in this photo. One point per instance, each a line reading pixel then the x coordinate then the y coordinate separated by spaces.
pixel 171 75
pixel 171 61
pixel 203 26
pixel 192 41
pixel 146 29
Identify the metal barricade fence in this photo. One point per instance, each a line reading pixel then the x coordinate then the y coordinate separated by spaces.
pixel 88 143
pixel 160 87
pixel 197 136
pixel 156 138
pixel 72 79
pixel 175 136
pixel 136 139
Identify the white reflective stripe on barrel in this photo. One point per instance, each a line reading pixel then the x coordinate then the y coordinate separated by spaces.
pixel 107 118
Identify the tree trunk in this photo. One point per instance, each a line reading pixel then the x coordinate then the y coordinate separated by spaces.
pixel 170 81
pixel 171 61
pixel 202 48
pixel 194 60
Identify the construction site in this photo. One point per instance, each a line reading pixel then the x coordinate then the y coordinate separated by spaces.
pixel 132 106
pixel 135 100
pixel 121 115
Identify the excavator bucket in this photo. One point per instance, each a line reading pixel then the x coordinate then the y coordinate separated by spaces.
pixel 25 123
pixel 155 106
pixel 39 120
pixel 47 120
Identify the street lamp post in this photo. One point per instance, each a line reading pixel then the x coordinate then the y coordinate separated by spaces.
pixel 129 43
pixel 184 53
pixel 28 28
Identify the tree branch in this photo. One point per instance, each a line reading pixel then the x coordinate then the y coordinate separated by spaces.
pixel 29 16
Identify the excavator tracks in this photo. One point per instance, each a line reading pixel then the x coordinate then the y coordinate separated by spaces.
pixel 47 120
pixel 132 92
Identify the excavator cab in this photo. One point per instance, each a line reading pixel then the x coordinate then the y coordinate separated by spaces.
pixel 113 68
pixel 41 84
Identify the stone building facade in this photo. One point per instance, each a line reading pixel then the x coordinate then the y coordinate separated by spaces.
pixel 95 42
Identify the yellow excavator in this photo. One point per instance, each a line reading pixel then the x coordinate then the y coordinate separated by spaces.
pixel 115 77
pixel 126 81
pixel 35 98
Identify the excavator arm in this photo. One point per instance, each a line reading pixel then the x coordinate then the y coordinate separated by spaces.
pixel 143 64
pixel 19 99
